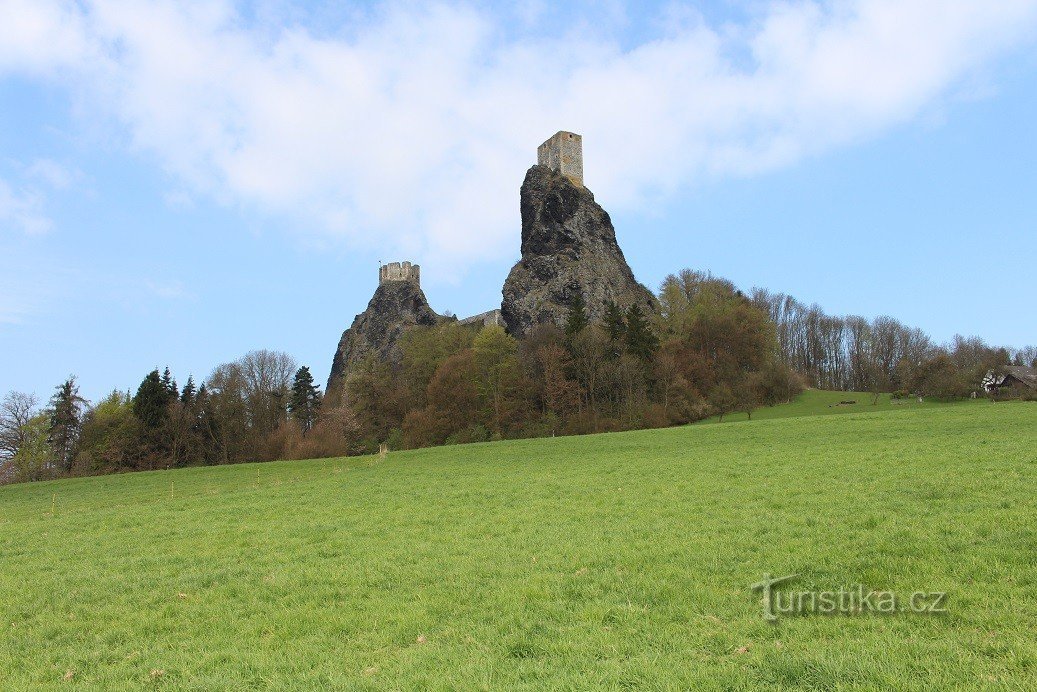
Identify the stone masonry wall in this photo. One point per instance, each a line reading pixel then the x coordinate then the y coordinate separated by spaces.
pixel 399 271
pixel 563 153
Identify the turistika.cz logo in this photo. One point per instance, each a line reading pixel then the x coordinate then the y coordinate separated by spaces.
pixel 855 600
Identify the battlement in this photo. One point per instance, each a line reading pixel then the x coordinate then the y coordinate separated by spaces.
pixel 399 271
pixel 563 153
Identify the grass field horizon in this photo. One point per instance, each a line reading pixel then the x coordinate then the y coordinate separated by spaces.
pixel 621 560
pixel 826 402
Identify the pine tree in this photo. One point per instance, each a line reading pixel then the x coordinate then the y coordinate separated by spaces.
pixel 577 318
pixel 640 339
pixel 615 325
pixel 151 403
pixel 188 395
pixel 169 383
pixel 151 406
pixel 305 401
pixel 66 421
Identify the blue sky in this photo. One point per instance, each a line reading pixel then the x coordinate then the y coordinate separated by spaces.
pixel 181 183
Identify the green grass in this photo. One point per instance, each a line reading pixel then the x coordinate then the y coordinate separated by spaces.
pixel 818 402
pixel 611 561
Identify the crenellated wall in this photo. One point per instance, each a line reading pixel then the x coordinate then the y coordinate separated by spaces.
pixel 399 271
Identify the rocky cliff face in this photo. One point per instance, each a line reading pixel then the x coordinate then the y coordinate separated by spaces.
pixel 395 306
pixel 568 245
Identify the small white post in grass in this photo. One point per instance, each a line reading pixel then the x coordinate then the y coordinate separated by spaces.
pixel 170 490
pixel 54 505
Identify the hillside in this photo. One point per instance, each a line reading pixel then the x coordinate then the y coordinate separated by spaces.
pixel 819 402
pixel 620 560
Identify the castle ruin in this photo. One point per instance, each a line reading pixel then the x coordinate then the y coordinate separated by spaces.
pixel 563 153
pixel 568 246
pixel 399 271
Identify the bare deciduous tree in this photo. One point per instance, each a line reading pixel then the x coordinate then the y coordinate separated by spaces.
pixel 16 411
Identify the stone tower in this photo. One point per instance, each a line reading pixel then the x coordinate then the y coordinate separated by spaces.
pixel 568 246
pixel 563 153
pixel 397 305
pixel 399 271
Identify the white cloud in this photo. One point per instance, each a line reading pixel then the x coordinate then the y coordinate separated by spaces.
pixel 411 132
pixel 22 210
pixel 52 173
pixel 42 36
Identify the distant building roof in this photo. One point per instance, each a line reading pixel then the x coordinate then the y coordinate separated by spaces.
pixel 1009 373
pixel 1027 376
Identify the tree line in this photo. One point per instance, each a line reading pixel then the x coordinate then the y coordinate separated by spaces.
pixel 708 350
pixel 234 416
pixel 881 355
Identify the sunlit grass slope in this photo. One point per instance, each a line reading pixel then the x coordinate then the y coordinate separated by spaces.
pixel 819 402
pixel 616 561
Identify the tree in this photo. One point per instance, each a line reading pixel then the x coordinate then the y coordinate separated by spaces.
pixel 1026 356
pixel 151 402
pixel 640 340
pixel 615 323
pixel 576 320
pixel 188 394
pixel 454 403
pixel 939 377
pixel 246 404
pixel 110 439
pixel 725 335
pixel 66 412
pixel 336 434
pixel 559 394
pixel 266 377
pixel 590 350
pixel 425 349
pixel 16 410
pixel 169 383
pixel 496 366
pixel 748 394
pixel 151 406
pixel 454 392
pixel 377 400
pixel 304 403
pixel 681 402
pixel 34 460
pixel 629 386
pixel 874 376
pixel 722 400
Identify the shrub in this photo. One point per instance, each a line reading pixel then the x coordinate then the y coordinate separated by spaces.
pixel 471 433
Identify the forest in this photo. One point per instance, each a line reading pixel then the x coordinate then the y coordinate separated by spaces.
pixel 708 350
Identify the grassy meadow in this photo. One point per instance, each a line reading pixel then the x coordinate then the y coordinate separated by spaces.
pixel 610 561
pixel 818 402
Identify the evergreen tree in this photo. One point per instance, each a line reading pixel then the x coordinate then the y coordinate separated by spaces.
pixel 66 421
pixel 577 319
pixel 151 403
pixel 640 339
pixel 188 395
pixel 169 383
pixel 151 406
pixel 304 403
pixel 615 325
